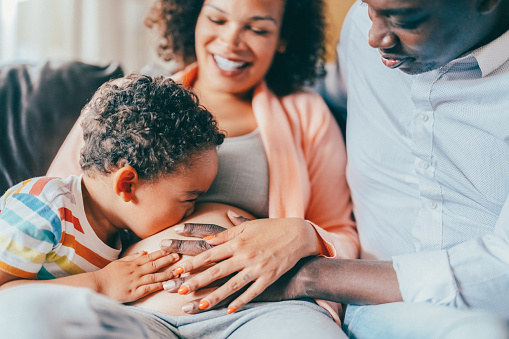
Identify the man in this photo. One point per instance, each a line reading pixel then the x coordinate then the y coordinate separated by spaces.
pixel 427 137
pixel 428 154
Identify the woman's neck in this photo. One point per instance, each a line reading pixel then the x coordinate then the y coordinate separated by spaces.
pixel 233 111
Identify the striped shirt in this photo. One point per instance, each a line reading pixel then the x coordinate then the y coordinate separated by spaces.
pixel 44 233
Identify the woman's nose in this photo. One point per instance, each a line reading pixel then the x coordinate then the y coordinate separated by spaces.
pixel 231 35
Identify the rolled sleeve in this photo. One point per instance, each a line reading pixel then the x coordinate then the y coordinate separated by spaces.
pixel 426 277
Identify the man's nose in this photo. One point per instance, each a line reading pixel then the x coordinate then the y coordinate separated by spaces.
pixel 380 35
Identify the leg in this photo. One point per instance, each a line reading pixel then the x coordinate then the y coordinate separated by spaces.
pixel 296 319
pixel 54 311
pixel 421 321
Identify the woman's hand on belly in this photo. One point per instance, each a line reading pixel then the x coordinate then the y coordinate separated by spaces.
pixel 257 253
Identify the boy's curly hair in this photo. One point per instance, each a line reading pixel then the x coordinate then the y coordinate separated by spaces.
pixel 149 123
pixel 303 30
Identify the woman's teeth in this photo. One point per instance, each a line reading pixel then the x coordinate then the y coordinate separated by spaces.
pixel 228 65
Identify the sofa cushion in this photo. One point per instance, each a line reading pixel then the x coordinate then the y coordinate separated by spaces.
pixel 38 106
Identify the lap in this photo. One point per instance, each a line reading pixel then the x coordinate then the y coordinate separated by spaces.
pixel 421 320
pixel 55 311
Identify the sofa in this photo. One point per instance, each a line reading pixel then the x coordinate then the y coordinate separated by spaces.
pixel 39 103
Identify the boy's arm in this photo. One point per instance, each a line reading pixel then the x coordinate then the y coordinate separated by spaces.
pixel 125 280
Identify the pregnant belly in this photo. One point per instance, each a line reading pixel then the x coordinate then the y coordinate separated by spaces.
pixel 171 303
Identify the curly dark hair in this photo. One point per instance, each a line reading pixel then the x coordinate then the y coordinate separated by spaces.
pixel 303 30
pixel 150 123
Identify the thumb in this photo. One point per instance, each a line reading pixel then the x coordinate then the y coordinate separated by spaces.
pixel 225 236
pixel 236 219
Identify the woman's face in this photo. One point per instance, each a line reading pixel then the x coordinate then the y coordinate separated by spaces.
pixel 236 41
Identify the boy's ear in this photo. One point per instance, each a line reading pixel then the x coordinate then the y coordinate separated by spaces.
pixel 124 181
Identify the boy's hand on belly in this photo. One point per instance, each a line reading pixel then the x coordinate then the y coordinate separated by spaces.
pixel 135 276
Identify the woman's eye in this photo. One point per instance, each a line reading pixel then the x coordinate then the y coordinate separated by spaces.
pixel 190 200
pixel 258 31
pixel 216 20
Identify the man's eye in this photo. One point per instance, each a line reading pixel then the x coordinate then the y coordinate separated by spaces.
pixel 408 25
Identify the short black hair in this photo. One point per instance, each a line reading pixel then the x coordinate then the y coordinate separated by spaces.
pixel 303 31
pixel 150 123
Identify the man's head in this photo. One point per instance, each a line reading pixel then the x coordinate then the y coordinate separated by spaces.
pixel 420 35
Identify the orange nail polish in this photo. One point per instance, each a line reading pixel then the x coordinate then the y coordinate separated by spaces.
pixel 183 290
pixel 203 305
pixel 231 309
pixel 178 270
pixel 208 237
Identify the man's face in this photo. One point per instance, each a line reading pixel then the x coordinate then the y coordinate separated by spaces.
pixel 417 36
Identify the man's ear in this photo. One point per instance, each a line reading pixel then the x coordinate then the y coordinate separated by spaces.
pixel 124 181
pixel 486 6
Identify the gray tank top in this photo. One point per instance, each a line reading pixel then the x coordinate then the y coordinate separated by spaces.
pixel 243 175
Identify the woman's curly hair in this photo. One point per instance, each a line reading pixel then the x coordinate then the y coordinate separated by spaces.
pixel 303 30
pixel 149 123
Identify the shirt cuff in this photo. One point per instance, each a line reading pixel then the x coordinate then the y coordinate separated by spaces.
pixel 426 277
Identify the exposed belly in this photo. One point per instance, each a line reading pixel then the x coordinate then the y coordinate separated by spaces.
pixel 171 303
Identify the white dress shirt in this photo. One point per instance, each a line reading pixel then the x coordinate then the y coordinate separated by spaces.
pixel 428 166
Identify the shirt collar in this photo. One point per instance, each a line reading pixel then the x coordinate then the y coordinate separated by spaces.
pixel 493 55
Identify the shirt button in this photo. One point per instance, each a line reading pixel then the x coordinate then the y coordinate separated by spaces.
pixel 423 117
pixel 432 205
pixel 423 164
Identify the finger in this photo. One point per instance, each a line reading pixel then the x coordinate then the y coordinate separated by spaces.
pixel 158 263
pixel 252 292
pixel 192 307
pixel 158 277
pixel 145 290
pixel 235 284
pixel 209 276
pixel 185 247
pixel 173 285
pixel 198 230
pixel 236 219
pixel 213 255
pixel 133 256
pixel 224 236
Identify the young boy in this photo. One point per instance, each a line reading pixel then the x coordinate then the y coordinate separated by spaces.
pixel 150 151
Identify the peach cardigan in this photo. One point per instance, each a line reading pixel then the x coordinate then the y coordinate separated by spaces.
pixel 307 164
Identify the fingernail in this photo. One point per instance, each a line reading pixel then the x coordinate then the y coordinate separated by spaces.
pixel 169 285
pixel 143 252
pixel 209 237
pixel 183 290
pixel 165 243
pixel 175 256
pixel 179 228
pixel 231 309
pixel 178 270
pixel 187 308
pixel 233 214
pixel 204 304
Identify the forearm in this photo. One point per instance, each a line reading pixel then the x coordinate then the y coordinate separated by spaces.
pixel 85 280
pixel 349 281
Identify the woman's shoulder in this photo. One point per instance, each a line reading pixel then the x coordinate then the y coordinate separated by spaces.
pixel 308 105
